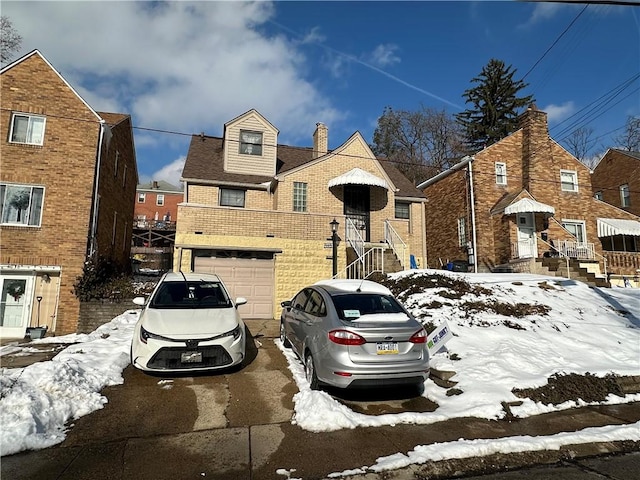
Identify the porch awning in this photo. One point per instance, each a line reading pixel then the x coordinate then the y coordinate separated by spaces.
pixel 607 227
pixel 525 205
pixel 358 176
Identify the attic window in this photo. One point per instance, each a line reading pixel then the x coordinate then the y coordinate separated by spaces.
pixel 250 142
pixel 27 129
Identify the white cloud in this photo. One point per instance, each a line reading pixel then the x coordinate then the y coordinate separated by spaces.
pixel 384 55
pixel 314 36
pixel 176 66
pixel 541 12
pixel 556 113
pixel 169 173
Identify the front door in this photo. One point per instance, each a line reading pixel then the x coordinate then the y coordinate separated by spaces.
pixel 15 305
pixel 357 207
pixel 526 236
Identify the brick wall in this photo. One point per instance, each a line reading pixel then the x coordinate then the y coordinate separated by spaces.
pixel 615 169
pixel 150 207
pixel 98 312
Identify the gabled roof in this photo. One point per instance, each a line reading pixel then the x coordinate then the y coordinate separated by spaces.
pixel 162 186
pixel 628 153
pixel 205 163
pixel 113 118
pixel 253 111
pixel 37 53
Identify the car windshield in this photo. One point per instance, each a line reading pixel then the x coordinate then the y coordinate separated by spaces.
pixel 190 294
pixel 352 306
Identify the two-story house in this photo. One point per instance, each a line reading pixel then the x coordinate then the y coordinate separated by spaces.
pixel 261 214
pixel 67 190
pixel 521 200
pixel 154 225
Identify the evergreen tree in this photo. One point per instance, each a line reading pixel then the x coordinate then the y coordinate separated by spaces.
pixel 495 104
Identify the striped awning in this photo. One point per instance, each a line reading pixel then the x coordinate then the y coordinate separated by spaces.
pixel 358 176
pixel 526 205
pixel 608 227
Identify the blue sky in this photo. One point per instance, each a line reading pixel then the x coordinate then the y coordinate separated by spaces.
pixel 190 67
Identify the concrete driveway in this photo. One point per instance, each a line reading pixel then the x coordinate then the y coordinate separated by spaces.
pixel 238 425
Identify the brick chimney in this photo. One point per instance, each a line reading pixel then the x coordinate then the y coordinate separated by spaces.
pixel 320 140
pixel 536 152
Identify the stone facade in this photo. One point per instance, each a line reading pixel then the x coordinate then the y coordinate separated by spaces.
pixel 533 167
pixel 300 240
pixel 53 253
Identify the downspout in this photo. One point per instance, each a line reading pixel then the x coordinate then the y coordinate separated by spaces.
pixel 473 218
pixel 94 220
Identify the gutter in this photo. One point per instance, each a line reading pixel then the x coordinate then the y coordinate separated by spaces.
pixel 473 218
pixel 94 220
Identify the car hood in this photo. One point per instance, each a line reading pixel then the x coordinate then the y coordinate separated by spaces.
pixel 179 323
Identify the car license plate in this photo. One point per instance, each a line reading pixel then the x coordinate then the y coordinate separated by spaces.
pixel 191 357
pixel 387 348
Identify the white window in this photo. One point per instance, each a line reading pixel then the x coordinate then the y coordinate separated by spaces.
pixel 230 197
pixel 576 228
pixel 250 142
pixel 569 180
pixel 402 210
pixel 124 176
pixel 27 129
pixel 299 197
pixel 141 197
pixel 462 232
pixel 21 204
pixel 625 199
pixel 160 200
pixel 115 165
pixel 501 173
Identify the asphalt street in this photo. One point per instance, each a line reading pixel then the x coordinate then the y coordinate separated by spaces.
pixel 238 425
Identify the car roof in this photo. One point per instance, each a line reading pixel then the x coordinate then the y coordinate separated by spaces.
pixel 177 277
pixel 351 285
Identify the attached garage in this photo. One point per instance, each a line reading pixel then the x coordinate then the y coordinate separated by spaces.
pixel 248 274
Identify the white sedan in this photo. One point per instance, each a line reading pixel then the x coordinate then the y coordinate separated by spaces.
pixel 188 323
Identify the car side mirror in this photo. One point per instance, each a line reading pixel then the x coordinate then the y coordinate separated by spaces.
pixel 140 301
pixel 286 304
pixel 240 301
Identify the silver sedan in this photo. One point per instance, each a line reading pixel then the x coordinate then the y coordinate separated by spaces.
pixel 354 333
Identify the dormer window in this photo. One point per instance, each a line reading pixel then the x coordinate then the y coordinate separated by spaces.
pixel 250 142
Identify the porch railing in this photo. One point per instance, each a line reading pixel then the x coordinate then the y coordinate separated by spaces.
pixel 395 242
pixel 354 239
pixel 372 261
pixel 578 250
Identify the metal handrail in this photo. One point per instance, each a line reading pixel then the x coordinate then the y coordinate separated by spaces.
pixel 363 267
pixel 553 247
pixel 582 250
pixel 394 240
pixel 354 238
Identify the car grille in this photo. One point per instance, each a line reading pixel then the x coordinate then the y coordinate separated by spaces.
pixel 170 358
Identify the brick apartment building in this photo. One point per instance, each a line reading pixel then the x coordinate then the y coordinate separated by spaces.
pixel 67 190
pixel 520 200
pixel 260 214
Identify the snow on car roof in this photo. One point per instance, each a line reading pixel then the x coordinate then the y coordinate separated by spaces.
pixel 352 285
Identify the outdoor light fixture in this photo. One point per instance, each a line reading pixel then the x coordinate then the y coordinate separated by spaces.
pixel 334 242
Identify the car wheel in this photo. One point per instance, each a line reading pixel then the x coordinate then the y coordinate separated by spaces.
pixel 283 337
pixel 310 372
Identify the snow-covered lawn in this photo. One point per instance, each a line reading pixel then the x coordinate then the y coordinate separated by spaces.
pixel 585 330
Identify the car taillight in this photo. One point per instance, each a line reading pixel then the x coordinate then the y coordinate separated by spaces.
pixel 344 337
pixel 419 337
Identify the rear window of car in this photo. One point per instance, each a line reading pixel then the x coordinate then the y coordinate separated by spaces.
pixel 191 294
pixel 354 305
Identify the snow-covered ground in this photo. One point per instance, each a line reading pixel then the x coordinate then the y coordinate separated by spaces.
pixel 586 330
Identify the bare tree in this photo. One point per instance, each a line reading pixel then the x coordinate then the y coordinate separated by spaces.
pixel 579 143
pixel 630 139
pixel 10 40
pixel 421 143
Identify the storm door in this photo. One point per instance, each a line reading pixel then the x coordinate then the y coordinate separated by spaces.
pixel 526 236
pixel 15 305
pixel 357 206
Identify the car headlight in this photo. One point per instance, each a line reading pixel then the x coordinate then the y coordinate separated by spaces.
pixel 236 332
pixel 146 335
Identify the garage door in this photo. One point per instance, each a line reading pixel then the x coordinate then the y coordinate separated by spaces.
pixel 251 278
